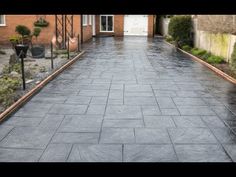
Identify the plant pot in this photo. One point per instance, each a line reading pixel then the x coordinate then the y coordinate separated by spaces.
pixel 73 44
pixel 38 51
pixel 23 48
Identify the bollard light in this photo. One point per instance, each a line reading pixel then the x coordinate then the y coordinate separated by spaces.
pixel 21 51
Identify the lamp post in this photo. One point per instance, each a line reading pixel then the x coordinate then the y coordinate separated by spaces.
pixel 21 51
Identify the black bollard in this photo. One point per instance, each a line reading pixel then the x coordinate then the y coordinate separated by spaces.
pixel 21 51
pixel 22 70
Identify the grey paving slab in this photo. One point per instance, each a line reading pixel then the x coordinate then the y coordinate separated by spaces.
pixel 231 150
pixel 188 121
pixel 151 110
pixel 149 153
pixel 20 121
pixel 19 155
pixel 122 123
pixel 152 136
pixel 81 124
pixel 4 130
pixel 99 100
pixel 64 109
pixel 201 153
pixel 96 109
pixel 83 137
pixel 159 121
pixel 117 135
pixel 27 137
pixel 78 100
pixel 213 121
pixel 192 136
pixel 56 153
pixel 196 110
pixel 124 111
pixel 96 153
pixel 224 135
pixel 140 101
pixel 170 112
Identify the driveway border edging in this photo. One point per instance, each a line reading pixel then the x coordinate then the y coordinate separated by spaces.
pixel 216 70
pixel 15 106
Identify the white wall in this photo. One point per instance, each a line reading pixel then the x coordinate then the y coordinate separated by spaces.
pixel 164 22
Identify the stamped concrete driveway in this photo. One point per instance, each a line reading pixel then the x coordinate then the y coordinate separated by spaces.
pixel 128 99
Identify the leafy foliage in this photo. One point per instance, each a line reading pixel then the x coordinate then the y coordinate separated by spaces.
pixel 215 59
pixel 186 48
pixel 198 52
pixel 8 85
pixel 180 29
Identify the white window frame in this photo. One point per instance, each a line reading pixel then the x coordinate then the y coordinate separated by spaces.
pixel 112 23
pixel 85 22
pixel 4 21
pixel 90 19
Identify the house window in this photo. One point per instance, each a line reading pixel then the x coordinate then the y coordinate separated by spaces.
pixel 106 23
pixel 90 19
pixel 85 20
pixel 2 20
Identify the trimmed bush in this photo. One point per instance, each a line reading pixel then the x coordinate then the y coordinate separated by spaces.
pixel 23 30
pixel 180 29
pixel 215 59
pixel 233 58
pixel 186 48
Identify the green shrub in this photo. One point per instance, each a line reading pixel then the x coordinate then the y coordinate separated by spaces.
pixel 215 59
pixel 8 85
pixel 180 29
pixel 169 38
pixel 36 32
pixel 186 48
pixel 206 56
pixel 233 58
pixel 7 69
pixel 198 52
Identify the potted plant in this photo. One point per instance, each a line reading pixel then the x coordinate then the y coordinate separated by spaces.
pixel 22 43
pixel 38 51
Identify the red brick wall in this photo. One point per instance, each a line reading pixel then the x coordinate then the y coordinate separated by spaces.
pixel 118 26
pixel 150 25
pixel 47 32
pixel 87 31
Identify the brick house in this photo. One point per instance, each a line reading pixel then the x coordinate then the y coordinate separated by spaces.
pixel 9 22
pixel 83 25
pixel 122 25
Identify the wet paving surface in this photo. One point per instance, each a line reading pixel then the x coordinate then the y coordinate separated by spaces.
pixel 128 99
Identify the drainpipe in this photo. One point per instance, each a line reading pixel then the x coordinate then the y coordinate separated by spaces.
pixel 81 20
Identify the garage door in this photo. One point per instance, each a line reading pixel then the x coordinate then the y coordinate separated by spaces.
pixel 136 25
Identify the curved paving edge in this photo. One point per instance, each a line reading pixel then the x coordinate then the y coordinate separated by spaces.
pixel 15 106
pixel 216 70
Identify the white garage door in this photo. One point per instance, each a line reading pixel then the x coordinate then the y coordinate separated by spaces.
pixel 136 25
